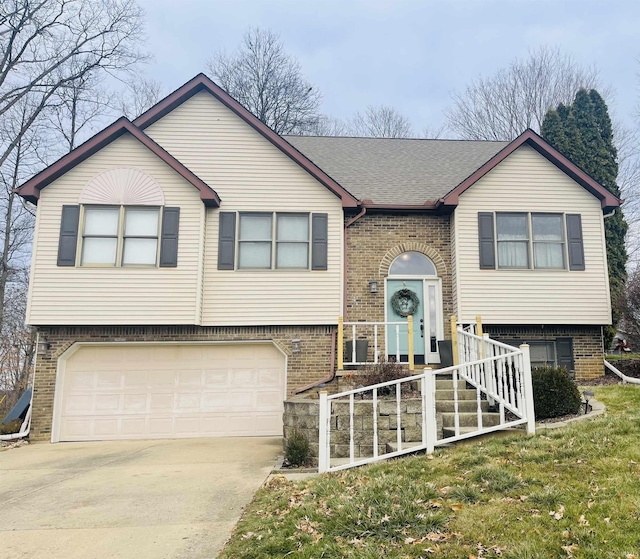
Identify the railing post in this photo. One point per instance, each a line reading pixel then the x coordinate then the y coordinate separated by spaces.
pixel 340 344
pixel 410 340
pixel 454 339
pixel 480 334
pixel 528 390
pixel 323 428
pixel 429 422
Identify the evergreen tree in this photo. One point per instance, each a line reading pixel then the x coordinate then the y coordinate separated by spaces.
pixel 582 132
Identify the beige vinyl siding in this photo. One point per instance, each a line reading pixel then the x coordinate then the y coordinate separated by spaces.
pixel 250 174
pixel 110 295
pixel 527 182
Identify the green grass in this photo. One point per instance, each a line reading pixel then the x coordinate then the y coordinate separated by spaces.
pixel 574 492
pixel 622 356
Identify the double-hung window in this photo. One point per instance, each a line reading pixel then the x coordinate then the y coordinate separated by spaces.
pixel 120 236
pixel 528 240
pixel 513 240
pixel 548 241
pixel 279 240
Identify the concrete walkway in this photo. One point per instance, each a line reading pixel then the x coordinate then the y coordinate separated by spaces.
pixel 131 499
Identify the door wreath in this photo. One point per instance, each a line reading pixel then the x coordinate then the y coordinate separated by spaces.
pixel 404 302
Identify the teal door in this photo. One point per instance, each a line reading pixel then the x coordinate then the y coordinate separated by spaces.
pixel 399 305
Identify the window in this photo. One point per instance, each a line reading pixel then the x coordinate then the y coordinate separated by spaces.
pixel 120 236
pixel 531 240
pixel 256 246
pixel 548 241
pixel 542 353
pixel 412 264
pixel 555 352
pixel 513 240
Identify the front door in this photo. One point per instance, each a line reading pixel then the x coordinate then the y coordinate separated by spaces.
pixel 421 299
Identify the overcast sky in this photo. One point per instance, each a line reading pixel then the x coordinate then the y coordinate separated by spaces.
pixel 409 54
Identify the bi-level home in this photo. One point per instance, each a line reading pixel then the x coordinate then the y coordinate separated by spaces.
pixel 190 267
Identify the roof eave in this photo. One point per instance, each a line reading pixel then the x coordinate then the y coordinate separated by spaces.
pixel 529 137
pixel 202 83
pixel 30 190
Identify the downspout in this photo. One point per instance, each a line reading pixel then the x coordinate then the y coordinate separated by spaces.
pixel 334 334
pixel 25 428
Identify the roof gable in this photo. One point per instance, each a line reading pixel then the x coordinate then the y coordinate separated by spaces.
pixel 607 200
pixel 203 83
pixel 30 190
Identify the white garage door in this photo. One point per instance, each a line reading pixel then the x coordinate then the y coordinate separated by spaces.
pixel 167 391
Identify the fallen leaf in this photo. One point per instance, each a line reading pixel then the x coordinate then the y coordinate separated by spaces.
pixel 523 498
pixel 557 514
pixel 583 521
pixel 409 541
pixel 607 520
pixel 369 513
pixel 456 507
pixel 385 518
pixel 590 503
pixel 569 549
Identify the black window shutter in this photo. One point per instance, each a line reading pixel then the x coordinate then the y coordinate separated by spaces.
pixel 487 244
pixel 564 350
pixel 574 238
pixel 227 241
pixel 319 236
pixel 68 235
pixel 169 240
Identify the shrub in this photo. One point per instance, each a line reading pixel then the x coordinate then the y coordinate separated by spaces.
pixel 554 393
pixel 297 451
pixel 381 372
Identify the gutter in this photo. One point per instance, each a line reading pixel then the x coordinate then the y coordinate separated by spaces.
pixel 334 334
pixel 625 378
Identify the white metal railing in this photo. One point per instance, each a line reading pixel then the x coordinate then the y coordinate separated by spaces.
pixel 499 373
pixel 378 333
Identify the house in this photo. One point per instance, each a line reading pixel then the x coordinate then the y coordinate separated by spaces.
pixel 189 268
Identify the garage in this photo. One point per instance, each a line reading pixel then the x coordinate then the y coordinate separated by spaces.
pixel 169 390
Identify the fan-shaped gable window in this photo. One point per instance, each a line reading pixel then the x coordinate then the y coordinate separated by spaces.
pixel 412 264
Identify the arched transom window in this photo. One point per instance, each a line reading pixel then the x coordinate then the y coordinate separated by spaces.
pixel 412 264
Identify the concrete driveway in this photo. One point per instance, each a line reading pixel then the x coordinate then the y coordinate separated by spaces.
pixel 131 499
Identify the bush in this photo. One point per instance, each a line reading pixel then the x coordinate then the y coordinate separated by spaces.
pixel 297 451
pixel 382 372
pixel 554 393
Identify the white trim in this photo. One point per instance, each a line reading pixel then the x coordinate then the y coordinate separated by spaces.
pixel 64 356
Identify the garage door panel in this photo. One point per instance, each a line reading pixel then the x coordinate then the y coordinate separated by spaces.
pixel 156 391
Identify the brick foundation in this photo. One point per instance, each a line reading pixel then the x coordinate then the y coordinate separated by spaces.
pixel 311 364
pixel 588 351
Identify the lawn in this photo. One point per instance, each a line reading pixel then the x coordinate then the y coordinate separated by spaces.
pixel 572 492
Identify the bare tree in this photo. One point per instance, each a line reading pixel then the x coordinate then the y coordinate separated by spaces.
pixel 139 95
pixel 327 126
pixel 268 82
pixel 518 97
pixel 53 57
pixel 380 122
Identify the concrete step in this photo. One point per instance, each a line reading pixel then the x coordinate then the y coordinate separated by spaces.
pixel 447 384
pixel 469 406
pixel 465 394
pixel 406 445
pixel 450 432
pixel 471 419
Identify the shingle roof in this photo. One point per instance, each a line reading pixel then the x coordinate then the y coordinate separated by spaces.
pixel 396 171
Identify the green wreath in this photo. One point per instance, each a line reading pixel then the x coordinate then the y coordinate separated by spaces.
pixel 404 302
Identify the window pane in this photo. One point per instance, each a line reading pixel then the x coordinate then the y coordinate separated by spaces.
pixel 293 228
pixel 255 227
pixel 513 255
pixel 101 221
pixel 412 264
pixel 542 353
pixel 548 255
pixel 255 255
pixel 96 250
pixel 140 251
pixel 512 227
pixel 141 223
pixel 547 227
pixel 292 255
